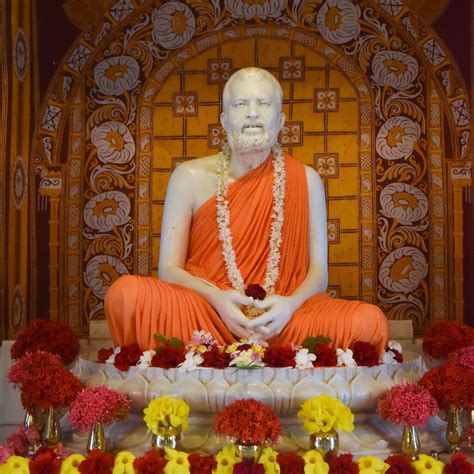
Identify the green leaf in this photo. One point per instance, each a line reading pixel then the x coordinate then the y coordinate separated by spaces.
pixel 159 337
pixel 311 342
pixel 175 342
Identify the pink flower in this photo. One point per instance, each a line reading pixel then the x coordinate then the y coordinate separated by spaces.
pixel 19 441
pixel 5 453
pixel 97 404
pixel 407 403
pixel 463 357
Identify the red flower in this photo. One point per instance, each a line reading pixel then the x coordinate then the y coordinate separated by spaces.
pixel 168 356
pixel 49 336
pixel 325 356
pixel 104 354
pixel 244 467
pixel 150 463
pixel 279 357
pixel 450 385
pixel 458 465
pixel 29 363
pixel 255 291
pixel 97 463
pixel 249 422
pixel 215 358
pixel 127 357
pixel 290 463
pixel 45 462
pixel 445 337
pixel 365 354
pixel 399 464
pixel 202 464
pixel 343 464
pixel 398 356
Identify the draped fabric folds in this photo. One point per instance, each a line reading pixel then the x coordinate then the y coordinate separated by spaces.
pixel 137 307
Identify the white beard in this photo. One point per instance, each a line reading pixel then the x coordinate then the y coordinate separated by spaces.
pixel 251 150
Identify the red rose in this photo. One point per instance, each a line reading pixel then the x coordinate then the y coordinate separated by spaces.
pixel 255 291
pixel 97 463
pixel 279 357
pixel 150 463
pixel 365 354
pixel 399 464
pixel 290 463
pixel 215 358
pixel 202 464
pixel 325 356
pixel 127 357
pixel 343 464
pixel 398 356
pixel 167 356
pixel 104 354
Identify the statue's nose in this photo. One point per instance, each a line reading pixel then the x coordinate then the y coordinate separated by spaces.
pixel 252 110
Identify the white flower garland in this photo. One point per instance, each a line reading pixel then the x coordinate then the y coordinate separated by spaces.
pixel 272 272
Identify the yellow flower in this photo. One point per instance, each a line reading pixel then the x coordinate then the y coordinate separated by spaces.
pixel 325 413
pixel 15 465
pixel 71 464
pixel 226 458
pixel 177 462
pixel 166 411
pixel 124 463
pixel 371 465
pixel 269 460
pixel 427 465
pixel 314 463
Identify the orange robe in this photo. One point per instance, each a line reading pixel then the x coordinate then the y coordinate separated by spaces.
pixel 138 307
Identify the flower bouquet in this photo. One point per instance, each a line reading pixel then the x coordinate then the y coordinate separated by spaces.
pixel 49 336
pixel 249 424
pixel 166 417
pixel 409 404
pixel 322 416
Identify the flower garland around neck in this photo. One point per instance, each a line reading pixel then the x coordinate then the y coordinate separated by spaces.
pixel 272 272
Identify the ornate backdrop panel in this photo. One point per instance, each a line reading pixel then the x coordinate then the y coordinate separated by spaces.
pixel 373 102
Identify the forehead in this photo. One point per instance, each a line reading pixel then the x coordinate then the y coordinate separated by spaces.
pixel 251 86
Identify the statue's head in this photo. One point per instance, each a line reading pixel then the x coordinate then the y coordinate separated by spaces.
pixel 252 110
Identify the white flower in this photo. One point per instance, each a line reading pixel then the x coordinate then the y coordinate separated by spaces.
pixel 174 25
pixel 304 359
pixel 251 9
pixel 394 68
pixel 114 142
pixel 345 358
pixel 116 75
pixel 403 202
pixel 338 21
pixel 107 210
pixel 395 345
pixel 202 337
pixel 246 359
pixel 388 358
pixel 111 358
pixel 397 137
pixel 191 361
pixel 145 359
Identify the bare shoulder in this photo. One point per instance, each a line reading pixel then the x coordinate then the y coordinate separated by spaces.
pixel 313 178
pixel 195 170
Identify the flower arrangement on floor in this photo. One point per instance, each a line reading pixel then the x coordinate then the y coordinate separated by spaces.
pixel 225 461
pixel 49 336
pixel 97 405
pixel 203 351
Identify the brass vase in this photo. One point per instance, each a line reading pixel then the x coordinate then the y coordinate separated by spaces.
pixel 52 431
pixel 325 442
pixel 165 436
pixel 454 431
pixel 410 445
pixel 250 453
pixel 96 438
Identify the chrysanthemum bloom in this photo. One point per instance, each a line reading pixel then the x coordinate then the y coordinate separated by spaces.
pixel 314 463
pixel 371 465
pixel 71 464
pixel 428 465
pixel 124 463
pixel 226 458
pixel 177 462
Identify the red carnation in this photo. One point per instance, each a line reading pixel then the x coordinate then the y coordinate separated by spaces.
pixel 255 291
pixel 168 356
pixel 127 357
pixel 325 356
pixel 244 467
pixel 97 462
pixel 365 354
pixel 104 354
pixel 290 463
pixel 445 337
pixel 49 336
pixel 45 462
pixel 202 464
pixel 343 464
pixel 150 463
pixel 279 357
pixel 215 358
pixel 458 465
pixel 399 464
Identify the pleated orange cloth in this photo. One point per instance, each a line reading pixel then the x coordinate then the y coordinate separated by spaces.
pixel 138 307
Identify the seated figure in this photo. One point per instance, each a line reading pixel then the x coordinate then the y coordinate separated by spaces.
pixel 251 215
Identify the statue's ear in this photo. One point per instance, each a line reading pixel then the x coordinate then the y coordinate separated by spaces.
pixel 224 120
pixel 282 120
